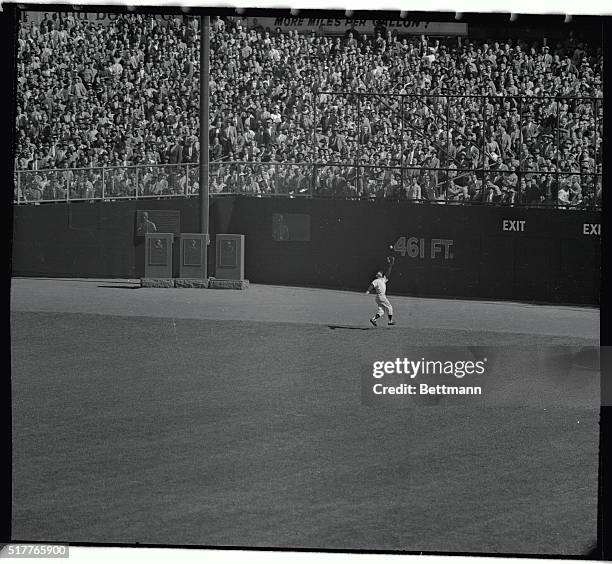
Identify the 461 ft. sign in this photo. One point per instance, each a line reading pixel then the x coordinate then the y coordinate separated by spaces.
pixel 413 247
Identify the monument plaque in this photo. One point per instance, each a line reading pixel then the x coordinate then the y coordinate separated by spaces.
pixel 193 255
pixel 158 255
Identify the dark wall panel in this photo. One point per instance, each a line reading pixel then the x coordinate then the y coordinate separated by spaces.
pixel 95 239
pixel 499 253
pixel 477 252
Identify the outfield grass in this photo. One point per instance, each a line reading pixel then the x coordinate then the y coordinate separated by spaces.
pixel 252 433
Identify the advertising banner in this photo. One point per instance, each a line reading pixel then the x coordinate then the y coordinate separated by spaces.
pixel 341 26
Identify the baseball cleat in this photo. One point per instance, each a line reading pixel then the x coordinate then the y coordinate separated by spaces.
pixel 391 323
pixel 373 322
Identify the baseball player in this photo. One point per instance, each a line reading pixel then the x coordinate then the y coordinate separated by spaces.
pixel 379 285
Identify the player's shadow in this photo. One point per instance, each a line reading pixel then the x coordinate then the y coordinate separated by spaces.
pixel 350 327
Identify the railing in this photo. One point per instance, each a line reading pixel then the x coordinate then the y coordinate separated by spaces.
pixel 106 183
pixel 409 129
pixel 381 154
pixel 435 185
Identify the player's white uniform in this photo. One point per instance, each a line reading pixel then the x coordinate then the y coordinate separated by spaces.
pixel 380 287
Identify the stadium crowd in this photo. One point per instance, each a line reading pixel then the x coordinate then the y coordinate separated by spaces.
pixel 92 94
pixel 364 116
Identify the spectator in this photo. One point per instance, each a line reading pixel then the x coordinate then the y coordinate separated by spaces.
pixel 414 191
pixel 563 195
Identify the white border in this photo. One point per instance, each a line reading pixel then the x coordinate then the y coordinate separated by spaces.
pixel 572 7
pixel 104 555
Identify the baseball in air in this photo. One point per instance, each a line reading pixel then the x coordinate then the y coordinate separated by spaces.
pixel 391 247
